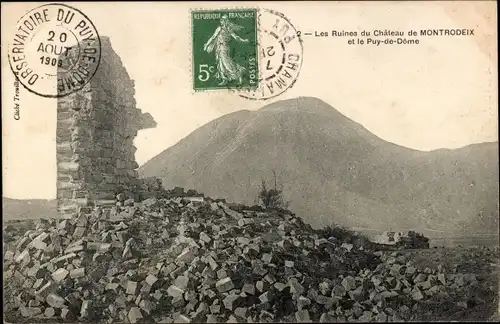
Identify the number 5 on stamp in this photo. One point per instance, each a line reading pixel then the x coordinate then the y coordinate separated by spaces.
pixel 224 53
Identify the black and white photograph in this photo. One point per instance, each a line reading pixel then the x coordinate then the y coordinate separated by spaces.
pixel 250 162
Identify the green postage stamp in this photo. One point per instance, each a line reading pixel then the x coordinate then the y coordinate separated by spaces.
pixel 224 49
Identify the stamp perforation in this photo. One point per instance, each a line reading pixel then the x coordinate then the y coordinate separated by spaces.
pixel 191 44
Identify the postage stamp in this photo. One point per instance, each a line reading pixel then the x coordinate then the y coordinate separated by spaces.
pixel 55 50
pixel 280 56
pixel 224 49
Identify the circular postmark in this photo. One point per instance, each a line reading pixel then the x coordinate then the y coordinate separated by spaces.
pixel 55 50
pixel 280 56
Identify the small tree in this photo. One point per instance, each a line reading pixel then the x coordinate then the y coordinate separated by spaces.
pixel 271 198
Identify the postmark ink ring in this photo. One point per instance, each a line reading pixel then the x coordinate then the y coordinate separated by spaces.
pixel 55 50
pixel 280 56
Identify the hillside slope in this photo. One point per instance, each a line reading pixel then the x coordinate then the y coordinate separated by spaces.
pixel 334 170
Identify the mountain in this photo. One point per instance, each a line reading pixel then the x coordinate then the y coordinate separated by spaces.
pixel 15 209
pixel 333 170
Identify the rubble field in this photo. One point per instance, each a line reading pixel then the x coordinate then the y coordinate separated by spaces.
pixel 179 260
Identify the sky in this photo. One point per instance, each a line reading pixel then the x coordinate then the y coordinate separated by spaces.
pixel 440 93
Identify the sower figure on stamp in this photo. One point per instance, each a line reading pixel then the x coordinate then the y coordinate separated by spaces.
pixel 227 69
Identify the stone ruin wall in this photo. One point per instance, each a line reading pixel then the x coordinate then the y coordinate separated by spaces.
pixel 96 127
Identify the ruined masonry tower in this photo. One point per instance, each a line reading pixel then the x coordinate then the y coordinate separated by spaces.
pixel 96 127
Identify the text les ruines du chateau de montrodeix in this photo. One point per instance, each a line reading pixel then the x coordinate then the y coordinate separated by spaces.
pixel 379 37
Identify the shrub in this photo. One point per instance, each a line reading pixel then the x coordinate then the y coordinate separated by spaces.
pixel 339 232
pixel 414 240
pixel 271 198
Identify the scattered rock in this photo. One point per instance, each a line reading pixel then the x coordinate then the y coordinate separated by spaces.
pixel 229 301
pixel 60 274
pixel 175 291
pixel 77 273
pixel 134 314
pixel 224 285
pixel 303 302
pixel 417 294
pixel 181 282
pixel 55 301
pixel 30 311
pixel 85 309
pixel 151 280
pixel 179 260
pixel 349 283
pixel 131 287
pixel 302 316
pixel 248 289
